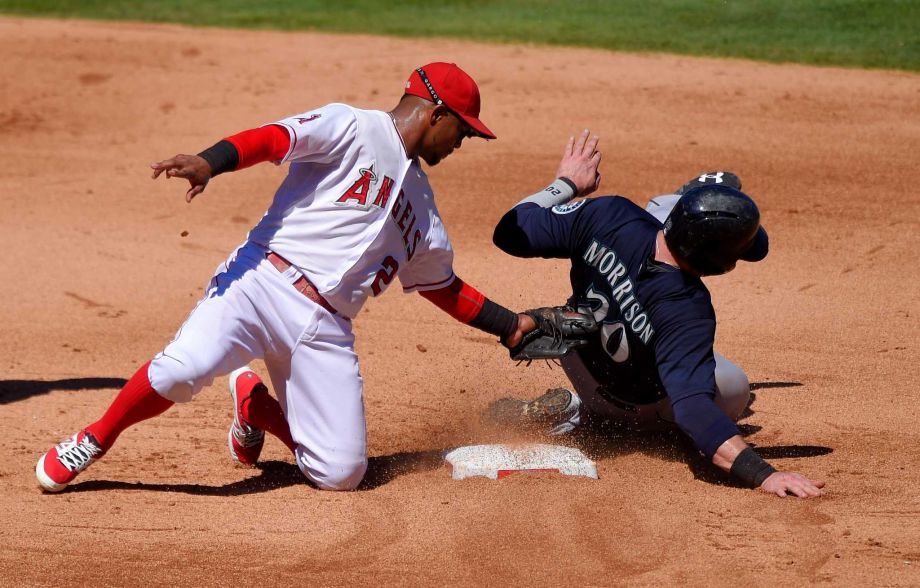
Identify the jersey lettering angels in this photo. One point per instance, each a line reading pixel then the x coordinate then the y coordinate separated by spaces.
pixel 354 211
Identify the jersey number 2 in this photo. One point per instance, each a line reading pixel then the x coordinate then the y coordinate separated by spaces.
pixel 384 275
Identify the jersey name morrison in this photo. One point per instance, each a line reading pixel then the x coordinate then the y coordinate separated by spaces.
pixel 604 259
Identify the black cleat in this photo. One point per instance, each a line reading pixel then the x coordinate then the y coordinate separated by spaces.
pixel 559 409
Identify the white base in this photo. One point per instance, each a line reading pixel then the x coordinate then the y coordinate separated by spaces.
pixel 498 461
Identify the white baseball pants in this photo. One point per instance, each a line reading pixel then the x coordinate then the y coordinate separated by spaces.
pixel 252 311
pixel 732 394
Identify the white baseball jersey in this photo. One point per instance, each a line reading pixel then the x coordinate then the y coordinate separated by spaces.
pixel 353 213
pixel 355 210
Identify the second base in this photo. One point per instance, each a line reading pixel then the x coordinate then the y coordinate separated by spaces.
pixel 498 461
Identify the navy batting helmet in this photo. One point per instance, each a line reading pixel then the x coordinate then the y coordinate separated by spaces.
pixel 712 227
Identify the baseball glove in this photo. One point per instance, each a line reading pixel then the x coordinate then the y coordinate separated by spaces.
pixel 560 329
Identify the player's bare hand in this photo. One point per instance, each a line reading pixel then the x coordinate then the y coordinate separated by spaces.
pixel 786 483
pixel 193 168
pixel 580 162
pixel 525 325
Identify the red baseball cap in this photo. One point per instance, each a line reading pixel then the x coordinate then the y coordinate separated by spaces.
pixel 445 83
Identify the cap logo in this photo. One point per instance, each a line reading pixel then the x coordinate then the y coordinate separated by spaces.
pixel 434 95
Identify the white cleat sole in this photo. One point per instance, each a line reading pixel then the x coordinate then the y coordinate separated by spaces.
pixel 232 452
pixel 234 376
pixel 44 482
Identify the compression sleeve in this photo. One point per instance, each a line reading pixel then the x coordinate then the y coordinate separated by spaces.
pixel 458 299
pixel 559 192
pixel 469 306
pixel 268 143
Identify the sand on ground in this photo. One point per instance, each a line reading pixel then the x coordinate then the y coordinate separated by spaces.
pixel 101 265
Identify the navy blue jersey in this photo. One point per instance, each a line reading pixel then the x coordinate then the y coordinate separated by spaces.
pixel 657 322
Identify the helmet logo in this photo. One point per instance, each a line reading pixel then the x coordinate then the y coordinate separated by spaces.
pixel 716 178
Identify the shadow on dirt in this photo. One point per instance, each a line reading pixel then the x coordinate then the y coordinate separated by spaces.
pixel 597 440
pixel 15 390
pixel 602 440
pixel 764 385
pixel 272 475
pixel 605 441
pixel 703 470
pixel 384 469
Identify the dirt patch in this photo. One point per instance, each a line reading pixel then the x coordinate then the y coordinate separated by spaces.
pixel 101 265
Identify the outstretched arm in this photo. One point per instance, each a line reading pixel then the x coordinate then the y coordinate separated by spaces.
pixel 469 306
pixel 716 436
pixel 268 143
pixel 577 175
pixel 530 229
pixel 740 459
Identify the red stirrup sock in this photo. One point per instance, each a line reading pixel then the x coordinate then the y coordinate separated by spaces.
pixel 263 412
pixel 136 402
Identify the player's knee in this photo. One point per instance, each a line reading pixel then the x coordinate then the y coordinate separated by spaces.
pixel 175 378
pixel 733 390
pixel 734 404
pixel 340 476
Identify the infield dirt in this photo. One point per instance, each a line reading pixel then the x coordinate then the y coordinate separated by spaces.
pixel 101 265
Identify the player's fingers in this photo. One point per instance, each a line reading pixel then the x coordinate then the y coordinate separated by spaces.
pixel 580 142
pixel 802 486
pixel 815 483
pixel 592 145
pixel 798 490
pixel 811 486
pixel 171 162
pixel 192 192
pixel 813 491
pixel 568 147
pixel 596 159
pixel 809 491
pixel 179 172
pixel 161 166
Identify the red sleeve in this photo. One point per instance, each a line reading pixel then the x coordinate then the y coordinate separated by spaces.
pixel 458 299
pixel 268 143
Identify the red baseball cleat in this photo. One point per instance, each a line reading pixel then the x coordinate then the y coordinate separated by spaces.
pixel 61 464
pixel 244 441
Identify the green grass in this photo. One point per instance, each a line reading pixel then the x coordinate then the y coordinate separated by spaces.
pixel 855 33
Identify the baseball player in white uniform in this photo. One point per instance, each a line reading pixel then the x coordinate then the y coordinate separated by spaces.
pixel 355 212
